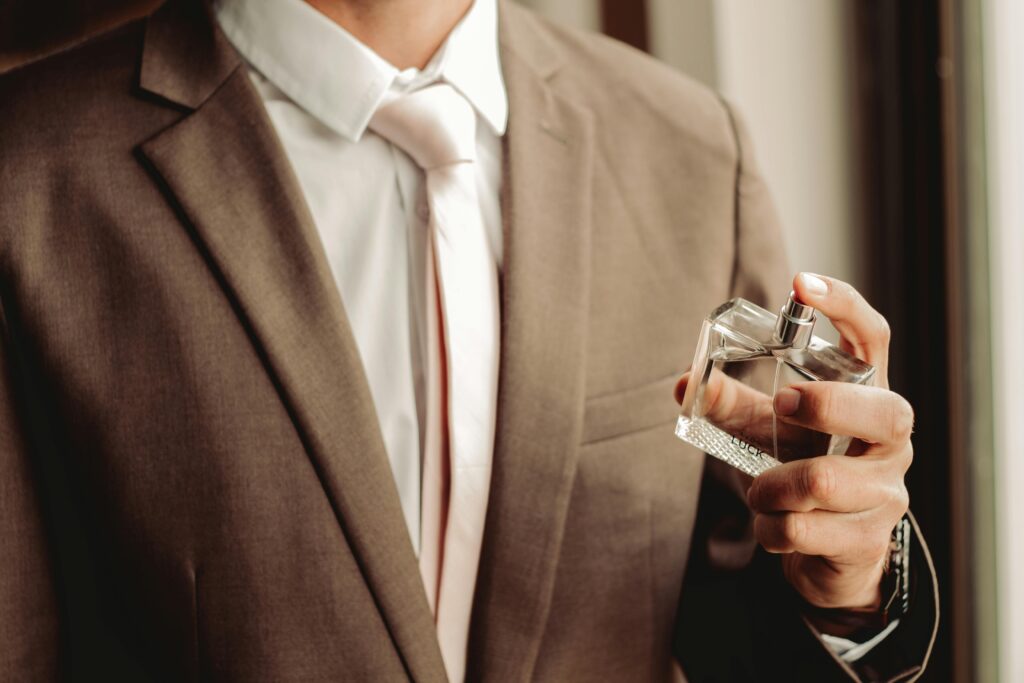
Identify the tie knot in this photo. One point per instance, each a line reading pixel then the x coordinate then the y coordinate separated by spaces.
pixel 436 126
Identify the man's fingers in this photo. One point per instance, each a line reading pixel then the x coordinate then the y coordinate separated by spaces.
pixel 680 390
pixel 840 537
pixel 871 414
pixel 834 483
pixel 863 328
pixel 728 402
pixel 741 410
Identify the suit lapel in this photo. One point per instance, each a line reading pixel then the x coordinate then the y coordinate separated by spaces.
pixel 226 174
pixel 547 209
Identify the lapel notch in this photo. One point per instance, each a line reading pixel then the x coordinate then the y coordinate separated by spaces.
pixel 185 58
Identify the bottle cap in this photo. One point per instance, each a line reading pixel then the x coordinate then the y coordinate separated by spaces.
pixel 795 324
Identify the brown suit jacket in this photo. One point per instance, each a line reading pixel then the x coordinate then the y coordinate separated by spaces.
pixel 193 481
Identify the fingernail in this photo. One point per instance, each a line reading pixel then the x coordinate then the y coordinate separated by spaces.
pixel 813 284
pixel 787 401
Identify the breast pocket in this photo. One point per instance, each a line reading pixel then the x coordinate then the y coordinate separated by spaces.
pixel 635 475
pixel 630 518
pixel 630 457
pixel 635 409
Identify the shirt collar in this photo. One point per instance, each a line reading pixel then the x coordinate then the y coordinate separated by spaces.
pixel 340 81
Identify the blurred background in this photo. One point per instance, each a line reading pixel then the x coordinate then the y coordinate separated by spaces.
pixel 892 135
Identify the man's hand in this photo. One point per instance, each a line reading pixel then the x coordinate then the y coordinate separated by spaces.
pixel 831 516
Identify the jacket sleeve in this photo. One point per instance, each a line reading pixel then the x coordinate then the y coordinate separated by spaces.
pixel 29 631
pixel 739 619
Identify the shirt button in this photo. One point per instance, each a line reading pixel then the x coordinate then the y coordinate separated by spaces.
pixel 423 211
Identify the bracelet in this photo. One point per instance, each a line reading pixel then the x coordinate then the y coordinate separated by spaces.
pixel 896 580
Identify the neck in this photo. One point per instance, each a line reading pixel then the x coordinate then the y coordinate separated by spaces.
pixel 406 33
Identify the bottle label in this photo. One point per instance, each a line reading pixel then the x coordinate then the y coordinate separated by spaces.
pixel 724 446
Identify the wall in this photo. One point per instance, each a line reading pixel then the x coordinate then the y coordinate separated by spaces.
pixel 785 64
pixel 1004 104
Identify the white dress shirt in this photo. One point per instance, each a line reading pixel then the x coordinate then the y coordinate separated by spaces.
pixel 321 86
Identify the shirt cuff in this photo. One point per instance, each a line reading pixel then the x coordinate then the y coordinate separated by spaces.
pixel 850 651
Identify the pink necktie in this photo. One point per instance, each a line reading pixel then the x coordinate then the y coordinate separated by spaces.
pixel 436 126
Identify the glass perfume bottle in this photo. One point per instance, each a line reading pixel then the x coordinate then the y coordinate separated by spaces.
pixel 745 354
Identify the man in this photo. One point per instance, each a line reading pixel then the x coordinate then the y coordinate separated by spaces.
pixel 339 343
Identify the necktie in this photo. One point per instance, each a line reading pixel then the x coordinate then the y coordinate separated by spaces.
pixel 436 127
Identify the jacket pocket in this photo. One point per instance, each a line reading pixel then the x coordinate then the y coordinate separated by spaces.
pixel 631 410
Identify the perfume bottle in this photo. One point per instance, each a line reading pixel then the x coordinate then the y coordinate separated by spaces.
pixel 745 354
